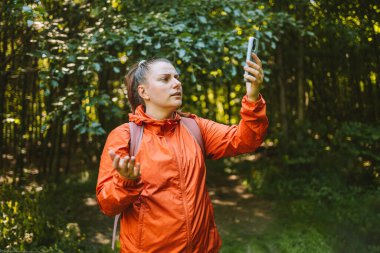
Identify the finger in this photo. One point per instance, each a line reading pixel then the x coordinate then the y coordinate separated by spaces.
pixel 257 60
pixel 253 65
pixel 112 154
pixel 250 79
pixel 137 170
pixel 132 164
pixel 126 165
pixel 115 162
pixel 252 71
pixel 122 166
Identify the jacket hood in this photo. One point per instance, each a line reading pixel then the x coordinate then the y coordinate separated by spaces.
pixel 140 117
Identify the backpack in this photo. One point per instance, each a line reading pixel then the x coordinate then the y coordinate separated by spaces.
pixel 136 133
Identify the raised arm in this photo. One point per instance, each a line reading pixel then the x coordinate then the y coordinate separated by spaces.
pixel 221 140
pixel 224 141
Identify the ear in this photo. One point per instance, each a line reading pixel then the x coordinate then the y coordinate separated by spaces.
pixel 143 92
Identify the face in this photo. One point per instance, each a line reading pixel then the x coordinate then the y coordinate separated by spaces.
pixel 162 90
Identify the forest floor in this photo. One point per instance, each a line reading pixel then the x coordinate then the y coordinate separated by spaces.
pixel 247 223
pixel 239 214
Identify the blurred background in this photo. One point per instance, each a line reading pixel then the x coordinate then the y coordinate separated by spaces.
pixel 313 186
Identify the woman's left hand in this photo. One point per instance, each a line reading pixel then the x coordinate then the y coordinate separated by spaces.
pixel 254 78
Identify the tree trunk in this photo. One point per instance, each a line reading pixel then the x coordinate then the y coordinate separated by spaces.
pixel 3 83
pixel 300 82
pixel 103 87
pixel 228 101
pixel 215 95
pixel 57 148
pixel 205 89
pixel 70 139
pixel 281 85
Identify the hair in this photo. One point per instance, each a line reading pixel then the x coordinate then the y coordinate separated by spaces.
pixel 137 75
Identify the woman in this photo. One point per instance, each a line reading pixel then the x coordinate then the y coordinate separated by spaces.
pixel 161 192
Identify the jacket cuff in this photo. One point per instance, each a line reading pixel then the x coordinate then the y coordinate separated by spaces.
pixel 123 182
pixel 251 106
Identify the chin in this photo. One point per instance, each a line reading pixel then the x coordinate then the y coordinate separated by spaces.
pixel 174 104
pixel 178 106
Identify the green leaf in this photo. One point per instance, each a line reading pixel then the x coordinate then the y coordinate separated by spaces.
pixel 233 71
pixel 82 130
pixel 200 45
pixel 181 53
pixel 26 8
pixel 116 70
pixel 96 66
pixel 111 58
pixel 179 27
pixel 227 9
pixel 95 124
pixel 157 46
pixel 202 19
pixel 193 78
pixel 268 34
pixel 54 83
pixel 71 58
pixel 237 13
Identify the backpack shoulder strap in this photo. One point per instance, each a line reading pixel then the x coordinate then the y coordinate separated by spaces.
pixel 116 221
pixel 135 133
pixel 194 129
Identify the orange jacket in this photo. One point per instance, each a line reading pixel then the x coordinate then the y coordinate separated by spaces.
pixel 168 209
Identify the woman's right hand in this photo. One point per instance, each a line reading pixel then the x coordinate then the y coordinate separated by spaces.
pixel 125 166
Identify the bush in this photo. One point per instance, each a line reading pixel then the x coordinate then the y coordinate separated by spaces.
pixel 319 162
pixel 304 239
pixel 26 226
pixel 326 177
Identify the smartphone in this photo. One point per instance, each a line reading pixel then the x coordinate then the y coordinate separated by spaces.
pixel 252 48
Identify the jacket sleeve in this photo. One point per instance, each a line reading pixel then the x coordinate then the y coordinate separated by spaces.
pixel 224 141
pixel 114 192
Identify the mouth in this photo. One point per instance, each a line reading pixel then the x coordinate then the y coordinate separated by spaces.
pixel 177 94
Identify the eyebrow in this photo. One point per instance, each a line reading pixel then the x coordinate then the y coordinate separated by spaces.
pixel 176 74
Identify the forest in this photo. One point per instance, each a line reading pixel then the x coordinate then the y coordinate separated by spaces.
pixel 312 186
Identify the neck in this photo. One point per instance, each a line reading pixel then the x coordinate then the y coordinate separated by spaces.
pixel 159 114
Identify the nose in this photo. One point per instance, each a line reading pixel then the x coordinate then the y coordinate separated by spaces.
pixel 177 83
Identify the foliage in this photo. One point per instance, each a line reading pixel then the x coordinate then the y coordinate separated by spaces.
pixel 304 239
pixel 327 178
pixel 319 160
pixel 63 83
pixel 26 222
pixel 61 68
pixel 360 146
pixel 288 237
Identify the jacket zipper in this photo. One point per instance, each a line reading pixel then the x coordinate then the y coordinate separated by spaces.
pixel 188 246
